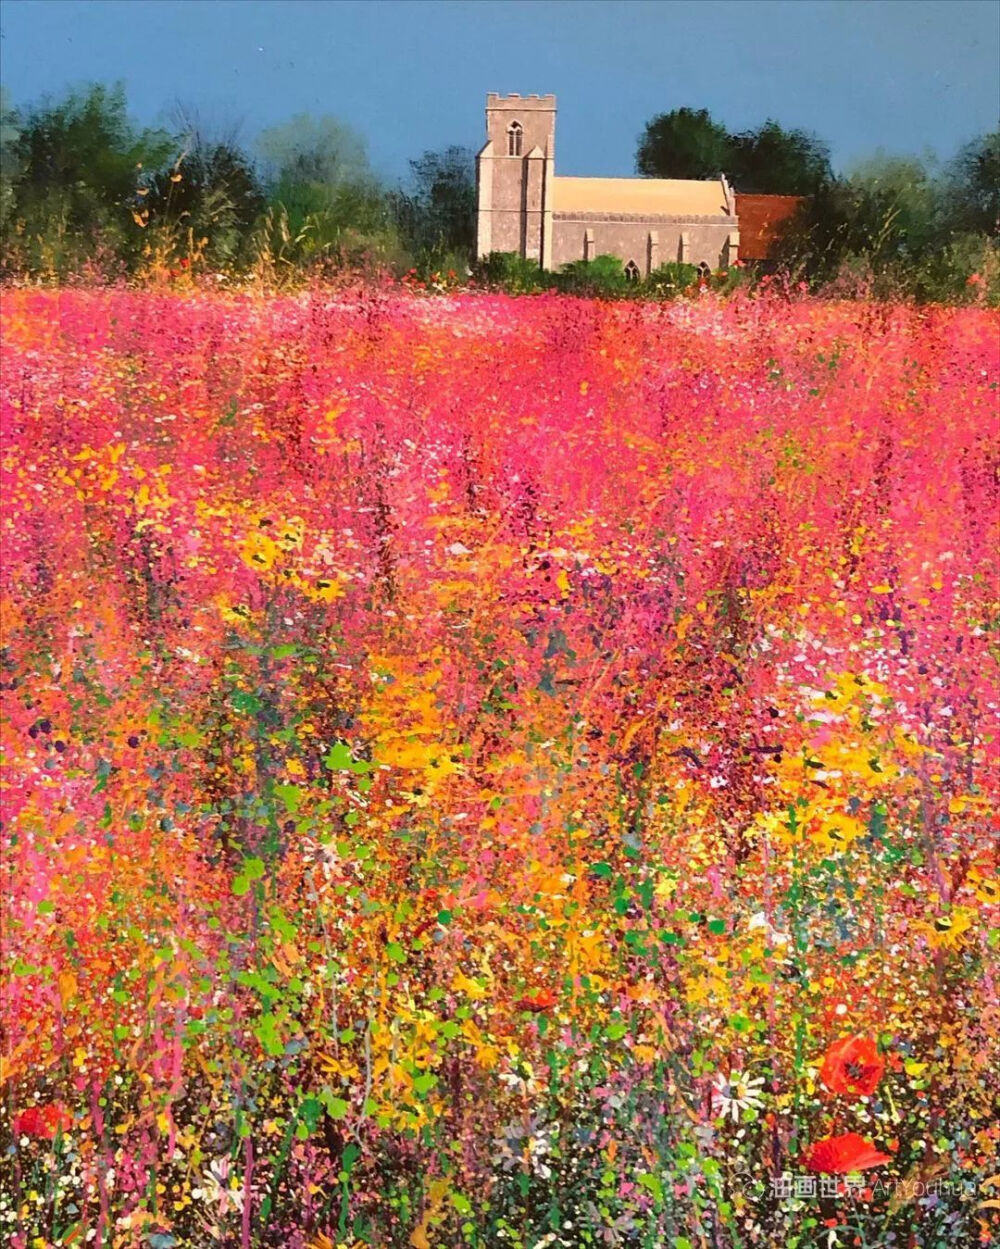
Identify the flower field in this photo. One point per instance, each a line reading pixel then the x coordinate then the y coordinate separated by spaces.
pixel 498 772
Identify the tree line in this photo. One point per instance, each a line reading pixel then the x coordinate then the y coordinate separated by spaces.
pixel 894 226
pixel 87 193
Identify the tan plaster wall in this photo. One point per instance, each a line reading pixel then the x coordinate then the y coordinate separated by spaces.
pixel 639 196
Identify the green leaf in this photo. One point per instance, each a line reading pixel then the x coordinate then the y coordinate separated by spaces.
pixel 310 1111
pixel 652 1184
pixel 601 869
pixel 266 1031
pixel 396 952
pixel 290 795
pixel 424 1083
pixel 336 1107
pixel 253 869
pixel 338 758
pixel 241 885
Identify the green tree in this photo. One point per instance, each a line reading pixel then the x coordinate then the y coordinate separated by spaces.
pixel 10 163
pixel 773 161
pixel 79 161
pixel 437 214
pixel 894 229
pixel 212 192
pixel 316 166
pixel 685 143
pixel 315 151
pixel 971 188
pixel 324 202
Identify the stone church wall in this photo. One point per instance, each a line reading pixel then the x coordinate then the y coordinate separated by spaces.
pixel 650 243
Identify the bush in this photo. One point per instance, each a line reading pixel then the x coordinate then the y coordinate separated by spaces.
pixel 599 278
pixel 510 272
pixel 671 279
pixel 966 270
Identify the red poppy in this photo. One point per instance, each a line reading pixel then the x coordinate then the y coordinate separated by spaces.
pixel 852 1066
pixel 839 1155
pixel 542 1000
pixel 43 1122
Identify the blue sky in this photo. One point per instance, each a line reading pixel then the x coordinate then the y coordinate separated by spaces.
pixel 904 75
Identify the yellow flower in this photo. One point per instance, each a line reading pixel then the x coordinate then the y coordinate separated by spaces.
pixel 327 589
pixel 947 931
pixel 986 888
pixel 259 552
pixel 835 830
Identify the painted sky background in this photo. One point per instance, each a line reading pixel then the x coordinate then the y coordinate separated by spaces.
pixel 903 75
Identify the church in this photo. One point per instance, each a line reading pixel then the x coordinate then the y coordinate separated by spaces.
pixel 523 207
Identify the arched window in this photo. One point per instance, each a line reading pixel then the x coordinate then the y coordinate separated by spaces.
pixel 514 136
pixel 631 272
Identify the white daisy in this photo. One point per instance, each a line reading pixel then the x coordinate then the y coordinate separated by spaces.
pixel 736 1092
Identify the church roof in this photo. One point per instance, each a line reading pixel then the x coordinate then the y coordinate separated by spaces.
pixel 761 220
pixel 635 196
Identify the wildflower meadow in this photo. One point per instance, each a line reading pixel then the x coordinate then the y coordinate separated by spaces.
pixel 498 772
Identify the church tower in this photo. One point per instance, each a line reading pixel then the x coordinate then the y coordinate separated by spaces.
pixel 514 175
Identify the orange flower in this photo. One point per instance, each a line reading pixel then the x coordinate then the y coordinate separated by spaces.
pixel 45 1123
pixel 852 1066
pixel 542 1000
pixel 839 1155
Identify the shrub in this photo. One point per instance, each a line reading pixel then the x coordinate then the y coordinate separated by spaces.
pixel 671 279
pixel 966 270
pixel 510 272
pixel 599 278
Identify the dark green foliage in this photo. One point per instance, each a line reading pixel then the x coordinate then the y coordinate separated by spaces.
pixel 773 161
pixel 510 272
pixel 685 143
pixel 213 191
pixel 316 170
pixel 892 230
pixel 325 205
pixel 672 279
pixel 436 216
pixel 10 160
pixel 972 183
pixel 86 193
pixel 602 276
pixel 74 168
